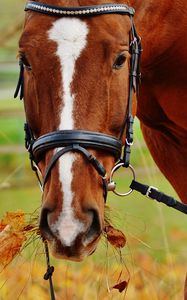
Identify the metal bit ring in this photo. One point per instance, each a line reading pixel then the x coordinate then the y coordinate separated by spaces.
pixel 111 182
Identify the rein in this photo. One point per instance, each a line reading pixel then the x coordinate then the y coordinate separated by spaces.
pixel 80 140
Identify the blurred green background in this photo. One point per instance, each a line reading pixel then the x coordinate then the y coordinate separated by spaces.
pixel 153 230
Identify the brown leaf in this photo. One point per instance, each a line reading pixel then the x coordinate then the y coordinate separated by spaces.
pixel 115 237
pixel 15 219
pixel 11 243
pixel 121 286
pixel 13 231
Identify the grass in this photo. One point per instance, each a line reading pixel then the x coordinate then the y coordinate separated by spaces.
pixel 25 199
pixel 8 76
pixel 10 105
pixel 11 131
pixel 12 12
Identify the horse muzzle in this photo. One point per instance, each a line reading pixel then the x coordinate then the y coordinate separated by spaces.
pixel 71 239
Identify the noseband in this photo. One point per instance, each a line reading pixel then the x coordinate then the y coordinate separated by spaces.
pixel 80 140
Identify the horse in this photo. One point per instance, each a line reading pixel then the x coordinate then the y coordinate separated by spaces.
pixel 79 106
pixel 161 102
pixel 76 77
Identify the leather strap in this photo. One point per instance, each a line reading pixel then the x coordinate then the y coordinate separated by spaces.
pixel 49 273
pixel 20 84
pixel 95 163
pixel 91 159
pixel 134 80
pixel 80 11
pixel 153 193
pixel 87 139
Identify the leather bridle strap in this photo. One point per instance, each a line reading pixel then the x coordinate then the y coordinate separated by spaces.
pixel 91 159
pixel 75 148
pixel 134 81
pixel 154 194
pixel 63 138
pixel 82 11
pixel 71 140
pixel 19 87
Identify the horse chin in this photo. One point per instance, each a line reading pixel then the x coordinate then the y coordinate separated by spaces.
pixel 72 253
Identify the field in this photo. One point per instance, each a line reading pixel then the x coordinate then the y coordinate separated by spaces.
pixel 154 258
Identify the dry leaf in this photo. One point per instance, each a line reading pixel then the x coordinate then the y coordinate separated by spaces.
pixel 115 237
pixel 11 243
pixel 121 286
pixel 13 231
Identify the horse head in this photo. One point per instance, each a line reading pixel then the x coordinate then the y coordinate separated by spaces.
pixel 76 86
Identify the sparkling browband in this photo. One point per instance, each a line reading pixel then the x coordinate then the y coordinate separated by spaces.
pixel 81 11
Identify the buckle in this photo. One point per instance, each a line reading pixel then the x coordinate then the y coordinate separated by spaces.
pixel 149 190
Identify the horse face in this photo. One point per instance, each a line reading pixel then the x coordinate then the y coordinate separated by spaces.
pixel 76 77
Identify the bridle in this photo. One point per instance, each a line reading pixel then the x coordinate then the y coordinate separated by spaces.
pixel 80 140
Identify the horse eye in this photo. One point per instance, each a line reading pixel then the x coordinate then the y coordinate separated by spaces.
pixel 119 62
pixel 25 62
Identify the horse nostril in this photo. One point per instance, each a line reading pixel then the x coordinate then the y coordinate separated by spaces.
pixel 44 226
pixel 95 227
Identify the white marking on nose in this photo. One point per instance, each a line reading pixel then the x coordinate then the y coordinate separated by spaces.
pixel 70 35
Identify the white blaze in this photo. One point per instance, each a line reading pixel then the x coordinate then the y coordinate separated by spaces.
pixel 70 35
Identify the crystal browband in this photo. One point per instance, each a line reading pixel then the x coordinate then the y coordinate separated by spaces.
pixel 79 11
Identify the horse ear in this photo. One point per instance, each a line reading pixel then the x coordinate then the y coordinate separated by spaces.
pixel 134 104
